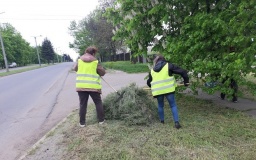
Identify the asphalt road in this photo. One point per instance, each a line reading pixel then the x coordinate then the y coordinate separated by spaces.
pixel 27 102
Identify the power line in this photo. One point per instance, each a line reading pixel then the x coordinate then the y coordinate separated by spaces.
pixel 48 15
pixel 37 19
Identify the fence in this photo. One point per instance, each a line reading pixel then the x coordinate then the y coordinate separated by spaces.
pixel 126 57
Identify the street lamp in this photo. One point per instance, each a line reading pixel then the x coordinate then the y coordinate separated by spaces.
pixel 2 44
pixel 37 50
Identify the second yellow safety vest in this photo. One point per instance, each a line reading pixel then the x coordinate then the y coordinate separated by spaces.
pixel 161 82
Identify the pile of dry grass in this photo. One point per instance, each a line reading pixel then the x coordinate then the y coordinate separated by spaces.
pixel 135 107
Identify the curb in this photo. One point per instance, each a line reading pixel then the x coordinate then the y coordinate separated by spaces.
pixel 44 137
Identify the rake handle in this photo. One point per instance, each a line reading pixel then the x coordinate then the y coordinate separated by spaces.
pixel 108 84
pixel 178 85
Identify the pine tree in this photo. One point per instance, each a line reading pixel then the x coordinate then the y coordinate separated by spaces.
pixel 47 51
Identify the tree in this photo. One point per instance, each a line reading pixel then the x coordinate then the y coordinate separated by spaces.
pixel 66 58
pixel 195 35
pixel 95 30
pixel 81 36
pixel 16 48
pixel 47 50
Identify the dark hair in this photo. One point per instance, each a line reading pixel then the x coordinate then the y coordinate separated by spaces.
pixel 158 58
pixel 91 50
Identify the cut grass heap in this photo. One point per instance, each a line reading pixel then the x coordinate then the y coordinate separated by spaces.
pixel 134 107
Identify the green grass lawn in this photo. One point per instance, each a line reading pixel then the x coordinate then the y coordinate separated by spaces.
pixel 208 132
pixel 127 66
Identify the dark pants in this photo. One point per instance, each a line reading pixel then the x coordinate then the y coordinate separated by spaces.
pixel 83 98
pixel 234 86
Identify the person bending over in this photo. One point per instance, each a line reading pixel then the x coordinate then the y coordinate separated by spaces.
pixel 163 84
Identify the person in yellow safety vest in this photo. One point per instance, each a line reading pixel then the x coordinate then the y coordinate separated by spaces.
pixel 163 84
pixel 88 83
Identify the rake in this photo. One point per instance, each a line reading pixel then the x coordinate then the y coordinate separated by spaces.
pixel 119 94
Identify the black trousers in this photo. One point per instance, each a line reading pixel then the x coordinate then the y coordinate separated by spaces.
pixel 234 86
pixel 83 98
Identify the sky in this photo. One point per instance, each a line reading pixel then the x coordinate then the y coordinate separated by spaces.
pixel 48 18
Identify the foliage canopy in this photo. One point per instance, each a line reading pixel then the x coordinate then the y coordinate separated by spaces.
pixel 16 48
pixel 94 29
pixel 47 50
pixel 213 38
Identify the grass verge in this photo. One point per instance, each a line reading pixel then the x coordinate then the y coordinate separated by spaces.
pixel 21 70
pixel 208 132
pixel 127 66
pixel 248 90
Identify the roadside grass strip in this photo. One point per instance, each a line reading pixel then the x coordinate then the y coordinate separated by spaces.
pixel 209 132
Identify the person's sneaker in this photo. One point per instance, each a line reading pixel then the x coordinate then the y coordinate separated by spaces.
pixel 177 125
pixel 162 122
pixel 102 122
pixel 81 125
pixel 235 101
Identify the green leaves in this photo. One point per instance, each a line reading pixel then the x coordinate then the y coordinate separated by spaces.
pixel 47 50
pixel 16 48
pixel 213 38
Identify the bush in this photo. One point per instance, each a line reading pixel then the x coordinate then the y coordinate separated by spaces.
pixel 134 106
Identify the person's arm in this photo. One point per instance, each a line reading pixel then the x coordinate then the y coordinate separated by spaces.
pixel 100 70
pixel 75 68
pixel 182 72
pixel 149 80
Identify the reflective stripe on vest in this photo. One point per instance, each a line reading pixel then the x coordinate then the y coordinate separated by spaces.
pixel 162 83
pixel 87 76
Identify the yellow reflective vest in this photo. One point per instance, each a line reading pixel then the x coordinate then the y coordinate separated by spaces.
pixel 87 76
pixel 161 82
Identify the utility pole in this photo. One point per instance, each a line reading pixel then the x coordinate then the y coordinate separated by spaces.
pixel 5 59
pixel 37 50
pixel 4 55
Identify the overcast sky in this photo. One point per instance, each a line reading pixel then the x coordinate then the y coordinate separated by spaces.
pixel 49 18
